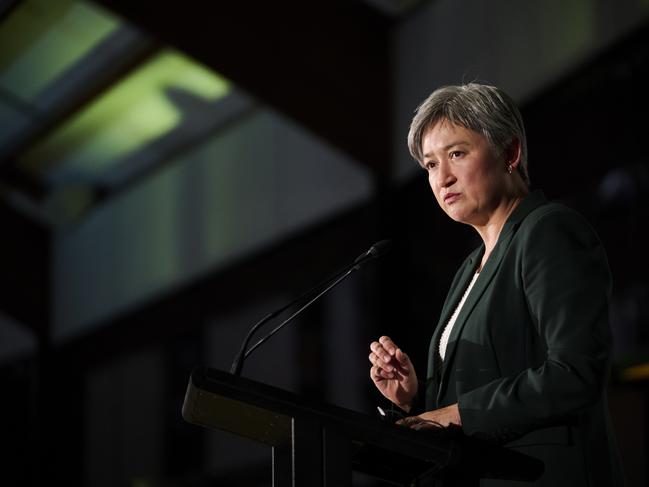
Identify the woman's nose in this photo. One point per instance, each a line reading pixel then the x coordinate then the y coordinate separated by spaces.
pixel 445 176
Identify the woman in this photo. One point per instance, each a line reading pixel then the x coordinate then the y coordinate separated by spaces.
pixel 521 352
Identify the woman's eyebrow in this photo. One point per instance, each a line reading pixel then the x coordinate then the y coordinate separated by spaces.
pixel 448 146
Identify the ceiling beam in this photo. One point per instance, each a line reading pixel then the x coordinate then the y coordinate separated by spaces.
pixel 98 71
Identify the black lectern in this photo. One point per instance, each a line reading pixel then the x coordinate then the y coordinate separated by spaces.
pixel 315 444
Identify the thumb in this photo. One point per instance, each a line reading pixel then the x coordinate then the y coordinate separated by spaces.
pixel 402 357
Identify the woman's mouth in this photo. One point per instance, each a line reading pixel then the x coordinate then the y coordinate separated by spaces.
pixel 451 197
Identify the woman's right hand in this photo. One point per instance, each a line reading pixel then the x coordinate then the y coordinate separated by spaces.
pixel 393 373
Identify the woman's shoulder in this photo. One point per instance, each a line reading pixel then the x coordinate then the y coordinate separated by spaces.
pixel 553 220
pixel 553 208
pixel 552 212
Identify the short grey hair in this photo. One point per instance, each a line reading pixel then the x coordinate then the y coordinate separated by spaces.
pixel 482 108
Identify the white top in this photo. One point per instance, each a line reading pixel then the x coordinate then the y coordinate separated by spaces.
pixel 443 341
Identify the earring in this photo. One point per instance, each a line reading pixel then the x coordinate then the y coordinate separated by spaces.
pixel 510 168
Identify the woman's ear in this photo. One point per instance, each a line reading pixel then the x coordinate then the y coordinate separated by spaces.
pixel 513 154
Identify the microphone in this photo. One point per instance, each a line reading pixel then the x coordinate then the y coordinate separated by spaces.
pixel 375 251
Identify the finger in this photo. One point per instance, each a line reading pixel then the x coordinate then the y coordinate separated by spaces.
pixel 378 374
pixel 375 360
pixel 374 373
pixel 425 425
pixel 409 421
pixel 376 347
pixel 402 357
pixel 399 364
pixel 388 344
pixel 380 352
pixel 387 374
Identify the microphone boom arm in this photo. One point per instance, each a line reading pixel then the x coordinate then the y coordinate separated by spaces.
pixel 375 251
pixel 237 364
pixel 311 301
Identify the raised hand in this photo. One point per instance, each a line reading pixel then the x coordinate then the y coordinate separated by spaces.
pixel 392 372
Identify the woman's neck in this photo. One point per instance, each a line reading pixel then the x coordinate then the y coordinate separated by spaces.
pixel 491 231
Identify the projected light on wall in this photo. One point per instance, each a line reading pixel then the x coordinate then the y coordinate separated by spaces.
pixel 49 46
pixel 132 114
pixel 42 39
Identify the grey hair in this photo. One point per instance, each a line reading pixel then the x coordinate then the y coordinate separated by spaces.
pixel 482 108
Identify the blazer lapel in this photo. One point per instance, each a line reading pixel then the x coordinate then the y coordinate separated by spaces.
pixel 456 293
pixel 532 201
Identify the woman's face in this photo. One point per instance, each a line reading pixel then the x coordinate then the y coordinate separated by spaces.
pixel 468 178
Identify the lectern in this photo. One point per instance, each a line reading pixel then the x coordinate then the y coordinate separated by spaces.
pixel 315 444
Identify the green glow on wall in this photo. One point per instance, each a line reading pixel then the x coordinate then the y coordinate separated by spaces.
pixel 41 39
pixel 133 113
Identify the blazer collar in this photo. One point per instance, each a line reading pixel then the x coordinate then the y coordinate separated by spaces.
pixel 530 202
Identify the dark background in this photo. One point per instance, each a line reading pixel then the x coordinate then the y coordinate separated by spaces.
pixel 103 407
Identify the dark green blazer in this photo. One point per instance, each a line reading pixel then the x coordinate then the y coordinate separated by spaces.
pixel 528 357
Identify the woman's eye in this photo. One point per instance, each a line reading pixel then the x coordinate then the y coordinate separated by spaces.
pixel 430 165
pixel 455 154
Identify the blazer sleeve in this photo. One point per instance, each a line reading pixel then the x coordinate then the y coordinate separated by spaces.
pixel 566 281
